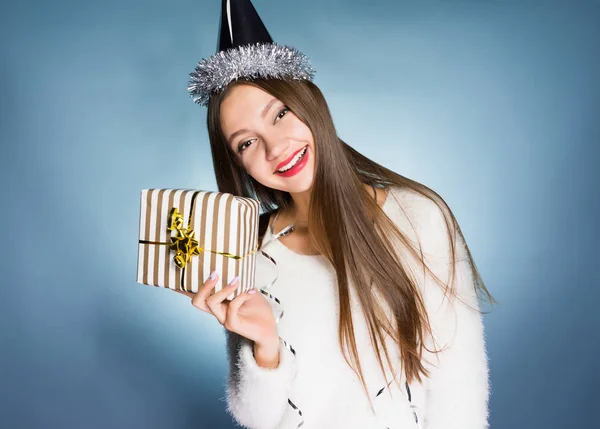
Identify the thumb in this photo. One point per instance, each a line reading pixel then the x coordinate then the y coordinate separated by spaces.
pixel 236 303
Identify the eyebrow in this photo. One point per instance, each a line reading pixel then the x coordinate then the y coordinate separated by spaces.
pixel 262 115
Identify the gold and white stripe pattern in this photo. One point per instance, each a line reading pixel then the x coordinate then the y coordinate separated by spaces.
pixel 223 223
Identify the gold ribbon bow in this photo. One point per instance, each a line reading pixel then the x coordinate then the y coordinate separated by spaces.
pixel 183 243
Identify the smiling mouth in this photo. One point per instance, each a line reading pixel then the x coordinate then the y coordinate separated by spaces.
pixel 295 160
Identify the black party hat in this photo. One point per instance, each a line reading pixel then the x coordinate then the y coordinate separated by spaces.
pixel 245 51
pixel 241 25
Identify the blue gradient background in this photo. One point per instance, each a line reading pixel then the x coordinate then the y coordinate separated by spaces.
pixel 494 104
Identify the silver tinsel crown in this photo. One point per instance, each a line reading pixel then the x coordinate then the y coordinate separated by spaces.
pixel 260 60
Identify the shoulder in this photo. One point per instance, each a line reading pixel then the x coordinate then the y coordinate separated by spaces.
pixel 437 239
pixel 434 238
pixel 419 216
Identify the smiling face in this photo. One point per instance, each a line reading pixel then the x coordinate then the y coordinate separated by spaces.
pixel 264 135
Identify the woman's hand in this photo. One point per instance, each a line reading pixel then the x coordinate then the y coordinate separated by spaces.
pixel 249 314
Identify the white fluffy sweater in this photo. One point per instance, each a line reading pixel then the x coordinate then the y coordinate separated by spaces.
pixel 318 380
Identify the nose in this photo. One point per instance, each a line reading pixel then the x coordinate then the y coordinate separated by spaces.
pixel 276 147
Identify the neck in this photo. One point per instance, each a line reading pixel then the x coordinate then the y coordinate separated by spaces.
pixel 298 212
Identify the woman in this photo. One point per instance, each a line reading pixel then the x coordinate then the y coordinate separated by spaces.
pixel 376 266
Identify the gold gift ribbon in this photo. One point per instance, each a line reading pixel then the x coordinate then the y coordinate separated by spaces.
pixel 184 242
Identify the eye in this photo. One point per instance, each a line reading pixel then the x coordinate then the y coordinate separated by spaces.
pixel 241 146
pixel 282 112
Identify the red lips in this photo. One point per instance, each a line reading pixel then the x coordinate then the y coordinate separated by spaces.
pixel 284 163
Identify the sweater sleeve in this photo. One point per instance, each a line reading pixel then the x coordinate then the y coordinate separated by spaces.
pixel 257 397
pixel 458 387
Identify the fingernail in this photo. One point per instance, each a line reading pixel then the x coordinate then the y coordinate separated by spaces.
pixel 252 291
pixel 234 280
pixel 213 275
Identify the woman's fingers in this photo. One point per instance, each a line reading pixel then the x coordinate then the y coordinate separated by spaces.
pixel 199 299
pixel 232 317
pixel 215 302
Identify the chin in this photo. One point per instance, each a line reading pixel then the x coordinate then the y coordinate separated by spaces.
pixel 304 186
pixel 295 186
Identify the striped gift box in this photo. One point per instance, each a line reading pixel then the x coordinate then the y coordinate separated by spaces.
pixel 225 230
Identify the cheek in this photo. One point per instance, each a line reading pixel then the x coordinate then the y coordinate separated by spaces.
pixel 300 130
pixel 256 168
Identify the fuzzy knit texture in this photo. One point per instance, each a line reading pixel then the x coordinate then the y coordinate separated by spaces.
pixel 318 380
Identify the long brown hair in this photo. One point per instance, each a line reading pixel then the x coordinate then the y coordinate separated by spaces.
pixel 340 229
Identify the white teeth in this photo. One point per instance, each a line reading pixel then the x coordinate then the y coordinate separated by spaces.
pixel 293 162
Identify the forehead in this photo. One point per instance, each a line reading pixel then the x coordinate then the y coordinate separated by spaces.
pixel 244 97
pixel 243 103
